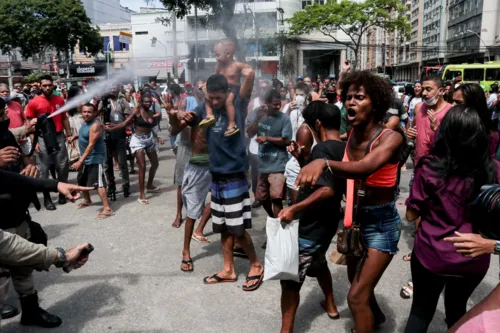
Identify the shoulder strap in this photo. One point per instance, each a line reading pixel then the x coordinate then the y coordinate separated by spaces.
pixel 361 190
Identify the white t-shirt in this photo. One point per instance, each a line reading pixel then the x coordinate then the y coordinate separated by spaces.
pixel 253 147
pixel 411 107
pixel 296 119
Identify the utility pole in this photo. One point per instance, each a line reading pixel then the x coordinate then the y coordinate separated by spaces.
pixel 174 44
pixel 9 72
pixel 196 43
pixel 68 55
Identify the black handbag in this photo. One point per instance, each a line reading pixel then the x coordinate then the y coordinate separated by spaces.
pixel 350 240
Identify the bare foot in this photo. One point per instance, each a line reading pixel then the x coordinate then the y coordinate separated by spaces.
pixel 178 222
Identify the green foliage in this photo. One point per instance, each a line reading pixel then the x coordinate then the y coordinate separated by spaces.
pixel 33 77
pixel 287 65
pixel 353 18
pixel 34 25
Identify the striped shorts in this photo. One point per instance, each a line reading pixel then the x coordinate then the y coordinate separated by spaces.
pixel 231 208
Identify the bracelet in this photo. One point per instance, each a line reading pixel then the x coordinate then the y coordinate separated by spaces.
pixel 328 166
pixel 62 257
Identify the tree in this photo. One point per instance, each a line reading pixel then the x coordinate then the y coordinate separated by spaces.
pixel 353 18
pixel 221 11
pixel 35 25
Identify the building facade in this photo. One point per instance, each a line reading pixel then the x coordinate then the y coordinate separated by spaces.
pixel 106 11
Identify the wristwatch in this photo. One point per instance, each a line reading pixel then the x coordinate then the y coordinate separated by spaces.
pixel 61 261
pixel 497 248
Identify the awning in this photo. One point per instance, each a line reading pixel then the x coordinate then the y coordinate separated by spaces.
pixel 303 45
pixel 146 72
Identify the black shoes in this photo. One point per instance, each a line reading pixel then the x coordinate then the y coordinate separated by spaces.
pixel 126 192
pixel 256 204
pixel 9 311
pixel 34 315
pixel 62 199
pixel 47 202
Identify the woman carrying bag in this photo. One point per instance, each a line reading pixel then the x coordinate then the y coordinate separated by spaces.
pixel 372 155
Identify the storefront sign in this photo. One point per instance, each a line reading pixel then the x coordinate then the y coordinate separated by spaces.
pixel 87 70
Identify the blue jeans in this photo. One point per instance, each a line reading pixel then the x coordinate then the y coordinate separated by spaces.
pixel 381 227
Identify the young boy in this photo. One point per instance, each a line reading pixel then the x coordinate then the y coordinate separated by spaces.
pixel 317 209
pixel 232 70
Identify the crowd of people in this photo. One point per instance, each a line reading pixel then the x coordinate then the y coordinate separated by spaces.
pixel 301 149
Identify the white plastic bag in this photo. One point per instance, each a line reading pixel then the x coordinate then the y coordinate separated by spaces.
pixel 282 252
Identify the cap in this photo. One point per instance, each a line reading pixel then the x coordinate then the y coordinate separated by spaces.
pixel 331 76
pixel 300 77
pixel 187 83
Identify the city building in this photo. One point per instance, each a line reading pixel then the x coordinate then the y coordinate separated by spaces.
pixel 106 11
pixel 473 29
pixel 119 54
pixel 153 44
pixel 410 58
pixel 434 32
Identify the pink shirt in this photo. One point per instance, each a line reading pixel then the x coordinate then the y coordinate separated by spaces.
pixel 485 322
pixel 425 137
pixel 16 114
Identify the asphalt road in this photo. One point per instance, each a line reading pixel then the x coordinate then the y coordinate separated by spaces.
pixel 133 282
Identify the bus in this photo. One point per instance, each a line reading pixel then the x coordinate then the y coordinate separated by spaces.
pixel 485 74
pixel 429 71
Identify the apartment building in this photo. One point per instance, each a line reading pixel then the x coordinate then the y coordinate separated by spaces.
pixel 473 30
pixel 434 32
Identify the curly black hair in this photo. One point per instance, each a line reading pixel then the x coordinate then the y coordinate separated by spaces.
pixel 376 87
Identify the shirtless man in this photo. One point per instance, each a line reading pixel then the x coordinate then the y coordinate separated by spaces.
pixel 232 71
pixel 196 182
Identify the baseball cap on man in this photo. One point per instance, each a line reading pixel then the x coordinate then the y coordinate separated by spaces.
pixel 187 83
pixel 300 77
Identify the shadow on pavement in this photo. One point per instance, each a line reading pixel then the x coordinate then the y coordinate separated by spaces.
pixel 98 300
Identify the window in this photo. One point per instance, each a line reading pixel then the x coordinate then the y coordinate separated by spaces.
pixel 492 74
pixel 476 74
pixel 141 32
pixel 306 3
pixel 117 46
pixel 451 75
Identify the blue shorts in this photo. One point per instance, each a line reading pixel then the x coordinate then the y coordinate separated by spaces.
pixel 381 227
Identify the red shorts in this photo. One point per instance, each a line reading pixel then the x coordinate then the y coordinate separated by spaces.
pixel 271 185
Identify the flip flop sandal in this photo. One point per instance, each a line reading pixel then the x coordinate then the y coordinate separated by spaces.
pixel 201 239
pixel 207 122
pixel 217 279
pixel 232 130
pixel 143 201
pixel 83 205
pixel 407 291
pixel 188 262
pixel 252 278
pixel 407 257
pixel 102 216
pixel 337 316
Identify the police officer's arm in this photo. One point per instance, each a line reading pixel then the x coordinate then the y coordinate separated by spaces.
pixel 17 251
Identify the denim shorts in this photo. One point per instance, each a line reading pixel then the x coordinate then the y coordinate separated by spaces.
pixel 381 227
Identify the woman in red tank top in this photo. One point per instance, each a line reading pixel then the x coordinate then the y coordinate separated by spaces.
pixel 367 97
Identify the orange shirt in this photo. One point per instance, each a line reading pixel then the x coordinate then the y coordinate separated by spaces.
pixel 41 105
